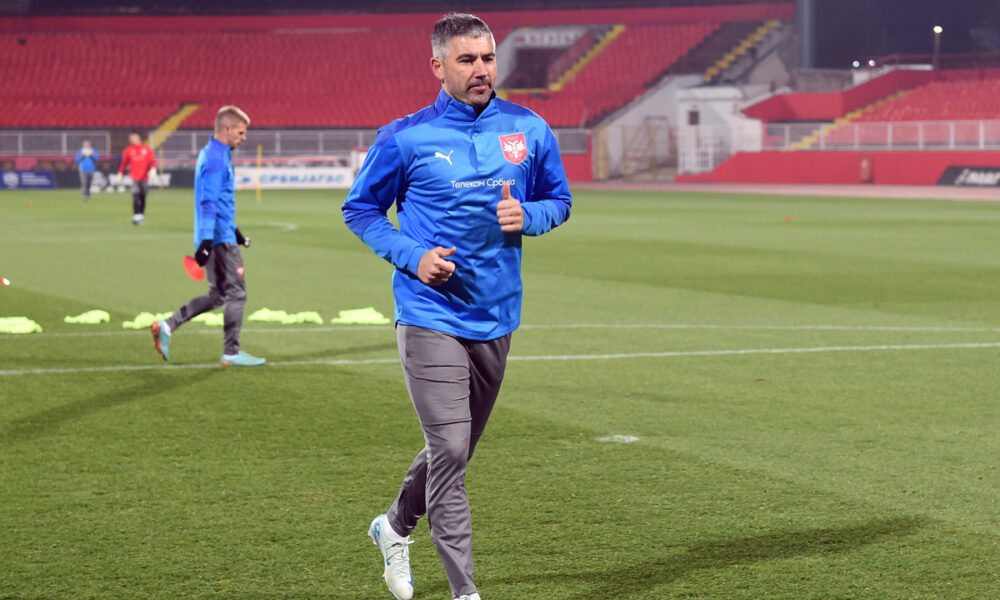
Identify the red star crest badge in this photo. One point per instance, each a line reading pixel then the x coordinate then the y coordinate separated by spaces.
pixel 515 149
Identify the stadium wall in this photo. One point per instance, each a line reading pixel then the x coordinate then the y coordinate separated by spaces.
pixel 891 168
pixel 579 167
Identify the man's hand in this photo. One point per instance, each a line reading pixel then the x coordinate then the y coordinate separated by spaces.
pixel 509 212
pixel 241 239
pixel 201 255
pixel 433 268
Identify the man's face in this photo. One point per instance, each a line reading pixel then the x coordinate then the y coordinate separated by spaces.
pixel 469 70
pixel 234 135
pixel 134 139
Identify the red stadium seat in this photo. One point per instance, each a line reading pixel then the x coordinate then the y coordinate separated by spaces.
pixel 286 78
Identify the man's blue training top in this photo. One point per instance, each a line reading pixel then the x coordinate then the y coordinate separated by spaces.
pixel 214 195
pixel 444 168
pixel 87 163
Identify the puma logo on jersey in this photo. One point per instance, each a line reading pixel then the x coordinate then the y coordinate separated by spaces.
pixel 447 158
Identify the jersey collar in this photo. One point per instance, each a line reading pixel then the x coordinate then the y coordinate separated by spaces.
pixel 219 145
pixel 460 111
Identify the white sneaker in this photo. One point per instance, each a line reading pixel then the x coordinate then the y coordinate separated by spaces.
pixel 469 597
pixel 397 573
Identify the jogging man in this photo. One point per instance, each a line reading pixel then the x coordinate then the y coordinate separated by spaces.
pixel 217 241
pixel 86 161
pixel 471 174
pixel 141 163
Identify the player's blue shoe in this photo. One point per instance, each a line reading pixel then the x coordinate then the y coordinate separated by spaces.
pixel 469 597
pixel 161 338
pixel 241 359
pixel 397 573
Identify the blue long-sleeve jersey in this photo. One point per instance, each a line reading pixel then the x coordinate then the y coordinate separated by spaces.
pixel 87 164
pixel 444 168
pixel 214 195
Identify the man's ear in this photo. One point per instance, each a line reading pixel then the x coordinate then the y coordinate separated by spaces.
pixel 437 68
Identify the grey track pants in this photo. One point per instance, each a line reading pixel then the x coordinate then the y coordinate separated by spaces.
pixel 453 384
pixel 224 272
pixel 85 180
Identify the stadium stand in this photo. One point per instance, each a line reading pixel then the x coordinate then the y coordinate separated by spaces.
pixel 943 100
pixel 79 79
pixel 963 97
pixel 309 71
pixel 721 40
pixel 933 95
pixel 614 76
pixel 908 126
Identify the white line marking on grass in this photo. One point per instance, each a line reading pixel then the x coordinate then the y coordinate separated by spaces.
pixel 682 353
pixel 563 357
pixel 327 329
pixel 617 439
pixel 197 330
pixel 283 226
pixel 120 368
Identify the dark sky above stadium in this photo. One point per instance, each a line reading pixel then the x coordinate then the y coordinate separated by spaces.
pixel 845 30
pixel 857 29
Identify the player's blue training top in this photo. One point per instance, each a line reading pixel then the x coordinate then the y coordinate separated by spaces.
pixel 444 167
pixel 87 163
pixel 214 195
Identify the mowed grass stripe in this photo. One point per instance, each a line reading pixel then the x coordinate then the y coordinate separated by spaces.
pixel 320 329
pixel 824 472
pixel 514 357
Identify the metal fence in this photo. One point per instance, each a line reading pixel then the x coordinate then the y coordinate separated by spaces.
pixel 185 145
pixel 702 148
pixel 273 143
pixel 893 135
pixel 52 143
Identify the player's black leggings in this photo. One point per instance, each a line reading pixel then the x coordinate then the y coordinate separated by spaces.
pixel 139 189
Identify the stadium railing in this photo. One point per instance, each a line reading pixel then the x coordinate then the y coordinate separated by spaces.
pixel 33 143
pixel 181 149
pixel 887 135
pixel 702 148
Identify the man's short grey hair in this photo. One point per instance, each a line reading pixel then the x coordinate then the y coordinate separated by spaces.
pixel 454 25
pixel 230 115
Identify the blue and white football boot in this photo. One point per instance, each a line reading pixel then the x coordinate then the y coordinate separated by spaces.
pixel 397 573
pixel 161 338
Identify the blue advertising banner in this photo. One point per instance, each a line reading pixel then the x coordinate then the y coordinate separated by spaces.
pixel 27 180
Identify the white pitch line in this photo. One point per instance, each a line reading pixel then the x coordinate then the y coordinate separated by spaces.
pixel 196 331
pixel 283 226
pixel 682 353
pixel 119 368
pixel 327 329
pixel 562 357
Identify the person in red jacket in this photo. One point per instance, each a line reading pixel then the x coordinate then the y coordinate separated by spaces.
pixel 141 163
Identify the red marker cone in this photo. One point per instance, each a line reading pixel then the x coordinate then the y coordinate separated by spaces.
pixel 194 270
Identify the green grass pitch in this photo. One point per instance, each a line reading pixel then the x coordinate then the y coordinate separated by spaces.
pixel 815 401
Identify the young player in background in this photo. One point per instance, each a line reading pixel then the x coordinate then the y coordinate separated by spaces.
pixel 217 240
pixel 86 161
pixel 141 163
